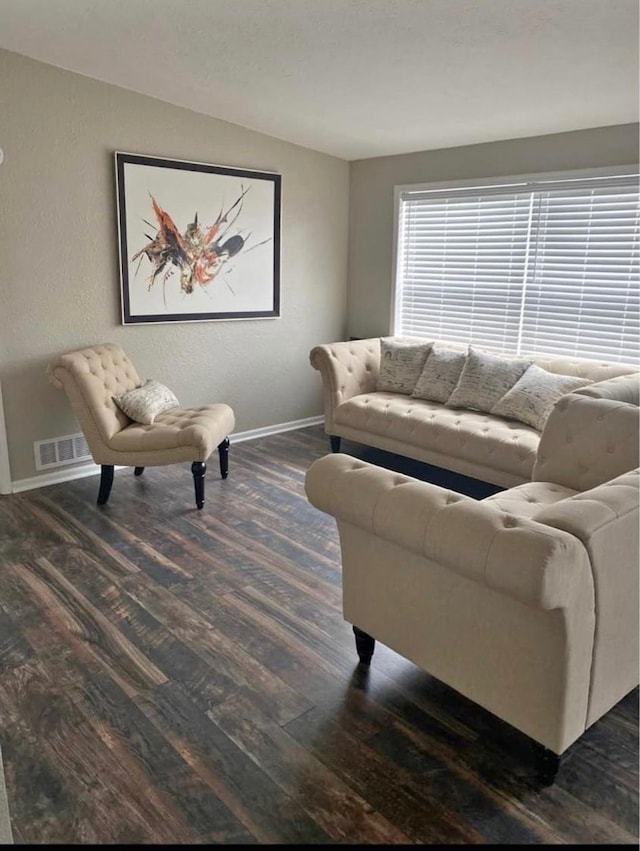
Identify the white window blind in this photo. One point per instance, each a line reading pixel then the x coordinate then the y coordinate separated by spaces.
pixel 538 267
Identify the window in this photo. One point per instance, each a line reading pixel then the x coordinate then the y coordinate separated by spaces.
pixel 534 266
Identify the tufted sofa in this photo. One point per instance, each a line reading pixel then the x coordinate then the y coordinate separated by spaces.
pixel 526 601
pixel 486 447
pixel 91 377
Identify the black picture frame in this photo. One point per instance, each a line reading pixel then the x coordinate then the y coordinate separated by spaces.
pixel 197 242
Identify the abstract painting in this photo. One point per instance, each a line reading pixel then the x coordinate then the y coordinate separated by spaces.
pixel 198 242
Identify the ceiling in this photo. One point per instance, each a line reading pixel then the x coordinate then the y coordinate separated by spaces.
pixel 354 78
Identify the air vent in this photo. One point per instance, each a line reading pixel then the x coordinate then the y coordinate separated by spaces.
pixel 59 451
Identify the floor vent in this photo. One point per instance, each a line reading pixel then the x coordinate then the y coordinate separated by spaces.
pixel 60 451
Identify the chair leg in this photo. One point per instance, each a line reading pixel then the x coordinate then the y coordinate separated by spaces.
pixel 139 471
pixel 335 443
pixel 106 481
pixel 365 645
pixel 547 765
pixel 223 452
pixel 198 469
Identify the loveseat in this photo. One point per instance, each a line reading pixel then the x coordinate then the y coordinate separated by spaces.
pixel 525 602
pixel 492 448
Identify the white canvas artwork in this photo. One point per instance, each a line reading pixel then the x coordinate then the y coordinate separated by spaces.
pixel 198 242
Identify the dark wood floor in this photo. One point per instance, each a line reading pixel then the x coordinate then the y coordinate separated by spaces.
pixel 169 675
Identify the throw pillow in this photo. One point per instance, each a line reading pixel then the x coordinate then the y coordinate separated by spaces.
pixel 143 404
pixel 484 380
pixel 400 365
pixel 440 374
pixel 532 397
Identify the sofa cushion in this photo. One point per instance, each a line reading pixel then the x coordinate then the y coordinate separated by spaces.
pixel 484 380
pixel 534 394
pixel 440 374
pixel 479 438
pixel 400 365
pixel 529 499
pixel 199 430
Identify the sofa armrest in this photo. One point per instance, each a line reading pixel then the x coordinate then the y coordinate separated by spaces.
pixel 587 441
pixel 521 558
pixel 347 369
pixel 621 388
pixel 605 519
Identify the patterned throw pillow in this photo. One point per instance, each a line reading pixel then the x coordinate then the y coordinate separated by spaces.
pixel 533 396
pixel 400 365
pixel 440 374
pixel 484 380
pixel 143 404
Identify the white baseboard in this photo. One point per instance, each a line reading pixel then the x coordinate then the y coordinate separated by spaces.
pixel 55 478
pixel 69 474
pixel 239 436
pixel 5 472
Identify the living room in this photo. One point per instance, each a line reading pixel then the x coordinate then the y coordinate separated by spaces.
pixel 61 291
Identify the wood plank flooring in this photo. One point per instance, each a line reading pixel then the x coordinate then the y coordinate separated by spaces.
pixel 174 676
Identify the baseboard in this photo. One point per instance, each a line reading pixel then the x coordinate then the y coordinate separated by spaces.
pixel 55 478
pixel 239 436
pixel 68 475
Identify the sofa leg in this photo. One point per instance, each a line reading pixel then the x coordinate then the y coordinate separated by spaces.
pixel 139 471
pixel 198 469
pixel 106 481
pixel 223 452
pixel 547 765
pixel 335 443
pixel 364 645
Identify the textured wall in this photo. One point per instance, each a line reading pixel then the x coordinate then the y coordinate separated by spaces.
pixel 371 199
pixel 59 280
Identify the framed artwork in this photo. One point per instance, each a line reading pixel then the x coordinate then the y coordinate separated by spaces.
pixel 198 242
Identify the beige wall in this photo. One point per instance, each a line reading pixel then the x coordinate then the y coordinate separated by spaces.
pixel 59 280
pixel 372 199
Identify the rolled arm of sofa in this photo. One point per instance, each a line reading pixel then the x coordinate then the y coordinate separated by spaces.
pixel 347 369
pixel 534 564
pixel 589 440
pixel 621 388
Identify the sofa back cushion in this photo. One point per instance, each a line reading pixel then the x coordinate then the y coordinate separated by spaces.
pixel 595 370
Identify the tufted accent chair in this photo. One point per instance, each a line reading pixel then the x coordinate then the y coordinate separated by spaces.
pixel 91 377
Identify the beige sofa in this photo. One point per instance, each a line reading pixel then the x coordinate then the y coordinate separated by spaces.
pixel 485 447
pixel 526 602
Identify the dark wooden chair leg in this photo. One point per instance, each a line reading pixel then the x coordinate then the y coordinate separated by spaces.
pixel 139 471
pixel 223 452
pixel 547 765
pixel 198 469
pixel 364 645
pixel 106 481
pixel 335 443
